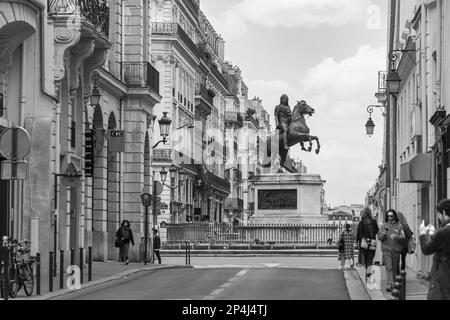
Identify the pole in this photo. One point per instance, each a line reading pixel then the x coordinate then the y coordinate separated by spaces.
pixel 146 235
pixel 90 265
pixel 55 218
pixel 81 265
pixel 50 272
pixel 61 269
pixel 38 274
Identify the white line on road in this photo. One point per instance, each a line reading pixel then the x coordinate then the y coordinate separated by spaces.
pixel 228 284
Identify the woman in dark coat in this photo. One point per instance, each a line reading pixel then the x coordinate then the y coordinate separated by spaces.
pixel 126 235
pixel 368 229
pixel 438 244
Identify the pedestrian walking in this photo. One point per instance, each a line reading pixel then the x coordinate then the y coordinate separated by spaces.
pixel 366 237
pixel 124 237
pixel 438 243
pixel 156 245
pixel 347 240
pixel 392 239
pixel 408 235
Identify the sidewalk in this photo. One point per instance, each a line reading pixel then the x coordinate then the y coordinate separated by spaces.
pixel 415 289
pixel 102 272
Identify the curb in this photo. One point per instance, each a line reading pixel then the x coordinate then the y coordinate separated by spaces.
pixel 96 283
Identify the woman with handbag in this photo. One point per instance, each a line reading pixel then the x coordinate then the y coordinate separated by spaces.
pixel 392 239
pixel 347 241
pixel 124 237
pixel 366 237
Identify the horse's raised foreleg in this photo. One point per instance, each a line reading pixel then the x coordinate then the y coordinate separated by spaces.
pixel 310 143
pixel 318 143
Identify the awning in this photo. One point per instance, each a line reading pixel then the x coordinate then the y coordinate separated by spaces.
pixel 418 170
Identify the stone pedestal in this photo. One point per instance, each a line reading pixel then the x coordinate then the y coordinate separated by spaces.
pixel 288 199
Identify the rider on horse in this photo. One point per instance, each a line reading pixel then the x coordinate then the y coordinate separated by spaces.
pixel 283 118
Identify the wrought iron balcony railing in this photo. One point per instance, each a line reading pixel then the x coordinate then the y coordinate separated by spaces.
pixel 233 204
pixel 162 155
pixel 164 28
pixel 94 11
pixel 234 117
pixel 382 87
pixel 202 92
pixel 141 74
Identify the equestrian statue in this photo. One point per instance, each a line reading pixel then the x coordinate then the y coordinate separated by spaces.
pixel 292 128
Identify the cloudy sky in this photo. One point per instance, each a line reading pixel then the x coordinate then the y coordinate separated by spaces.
pixel 326 52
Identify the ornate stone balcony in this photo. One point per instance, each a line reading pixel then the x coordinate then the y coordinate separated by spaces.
pixel 95 12
pixel 174 29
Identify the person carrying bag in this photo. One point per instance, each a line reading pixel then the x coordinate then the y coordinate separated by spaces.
pixel 366 237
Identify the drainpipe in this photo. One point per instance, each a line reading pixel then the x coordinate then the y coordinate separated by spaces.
pixel 121 166
pixel 439 56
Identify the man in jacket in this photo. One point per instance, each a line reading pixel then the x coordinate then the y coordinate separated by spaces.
pixel 438 244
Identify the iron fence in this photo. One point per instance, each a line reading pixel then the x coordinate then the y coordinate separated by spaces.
pixel 227 233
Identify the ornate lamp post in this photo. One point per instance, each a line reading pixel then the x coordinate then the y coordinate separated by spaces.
pixel 164 127
pixel 370 125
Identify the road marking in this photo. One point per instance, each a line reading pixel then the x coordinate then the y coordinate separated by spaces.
pixel 272 265
pixel 228 284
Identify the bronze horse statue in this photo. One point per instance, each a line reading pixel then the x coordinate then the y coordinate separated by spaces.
pixel 299 132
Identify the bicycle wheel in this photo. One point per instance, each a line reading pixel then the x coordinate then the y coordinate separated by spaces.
pixel 28 279
pixel 13 281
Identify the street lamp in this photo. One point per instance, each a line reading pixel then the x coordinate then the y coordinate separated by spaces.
pixel 163 174
pixel 95 95
pixel 393 79
pixel 370 125
pixel 164 127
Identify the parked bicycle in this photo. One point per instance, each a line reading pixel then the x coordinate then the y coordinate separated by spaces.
pixel 20 268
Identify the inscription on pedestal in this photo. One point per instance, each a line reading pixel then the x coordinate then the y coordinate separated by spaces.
pixel 277 199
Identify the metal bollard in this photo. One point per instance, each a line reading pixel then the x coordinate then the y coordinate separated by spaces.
pixel 61 269
pixel 90 265
pixel 396 291
pixel 50 272
pixel 72 256
pixel 81 265
pixel 38 274
pixel 186 254
pixel 5 278
pixel 189 260
pixel 403 288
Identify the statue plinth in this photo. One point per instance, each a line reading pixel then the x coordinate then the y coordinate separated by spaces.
pixel 288 198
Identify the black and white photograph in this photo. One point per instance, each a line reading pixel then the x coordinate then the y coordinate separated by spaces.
pixel 226 159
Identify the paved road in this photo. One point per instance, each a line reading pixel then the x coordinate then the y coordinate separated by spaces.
pixel 257 278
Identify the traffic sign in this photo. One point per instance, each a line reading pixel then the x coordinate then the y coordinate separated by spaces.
pixel 116 141
pixel 20 172
pixel 157 188
pixel 15 143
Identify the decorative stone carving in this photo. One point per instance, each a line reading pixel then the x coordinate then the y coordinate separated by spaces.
pixel 80 53
pixel 62 7
pixel 64 39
